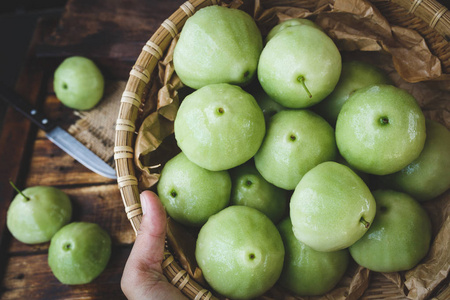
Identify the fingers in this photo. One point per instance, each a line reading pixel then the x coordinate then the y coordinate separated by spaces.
pixel 142 277
pixel 150 239
pixel 143 267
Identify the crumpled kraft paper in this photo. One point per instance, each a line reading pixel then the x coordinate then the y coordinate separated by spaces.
pixel 360 32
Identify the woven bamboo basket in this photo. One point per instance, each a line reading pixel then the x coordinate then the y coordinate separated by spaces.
pixel 428 17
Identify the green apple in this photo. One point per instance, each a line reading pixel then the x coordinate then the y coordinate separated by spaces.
pixel 78 83
pixel 217 45
pixel 289 23
pixel 399 236
pixel 367 178
pixel 427 176
pixel 249 188
pixel 79 252
pixel 299 66
pixel 380 129
pixel 354 75
pixel 37 213
pixel 296 141
pixel 240 252
pixel 307 272
pixel 219 126
pixel 331 208
pixel 191 194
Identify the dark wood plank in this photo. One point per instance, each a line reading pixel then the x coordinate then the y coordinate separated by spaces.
pixel 30 276
pixel 17 133
pixel 99 204
pixel 52 166
pixel 55 110
pixel 27 272
pixel 111 32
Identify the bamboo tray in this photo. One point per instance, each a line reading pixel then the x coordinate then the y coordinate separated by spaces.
pixel 429 18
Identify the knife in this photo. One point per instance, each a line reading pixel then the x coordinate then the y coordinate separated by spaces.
pixel 57 135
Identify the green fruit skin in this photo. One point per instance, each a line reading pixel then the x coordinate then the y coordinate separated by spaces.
pixel 78 83
pixel 299 51
pixel 327 206
pixel 296 141
pixel 354 75
pixel 427 176
pixel 240 252
pixel 289 23
pixel 218 140
pixel 249 188
pixel 79 252
pixel 36 220
pixel 200 193
pixel 218 45
pixel 367 178
pixel 399 236
pixel 373 147
pixel 308 272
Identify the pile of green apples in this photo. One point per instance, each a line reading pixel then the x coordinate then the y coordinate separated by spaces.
pixel 78 251
pixel 279 142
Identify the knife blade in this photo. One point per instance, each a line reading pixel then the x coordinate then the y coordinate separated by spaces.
pixel 57 135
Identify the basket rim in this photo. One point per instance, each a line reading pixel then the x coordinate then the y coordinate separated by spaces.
pixel 132 101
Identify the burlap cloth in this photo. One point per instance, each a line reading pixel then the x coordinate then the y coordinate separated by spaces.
pixel 96 127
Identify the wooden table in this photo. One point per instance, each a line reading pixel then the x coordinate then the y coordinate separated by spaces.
pixel 113 39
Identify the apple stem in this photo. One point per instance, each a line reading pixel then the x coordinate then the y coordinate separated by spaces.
pixel 301 79
pixel 365 223
pixel 19 191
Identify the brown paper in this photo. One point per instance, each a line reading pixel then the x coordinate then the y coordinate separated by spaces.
pixel 182 242
pixel 422 280
pixel 360 32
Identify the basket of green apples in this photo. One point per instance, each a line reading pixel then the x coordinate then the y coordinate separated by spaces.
pixel 303 145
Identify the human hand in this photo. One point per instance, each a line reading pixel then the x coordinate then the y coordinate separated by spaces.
pixel 143 277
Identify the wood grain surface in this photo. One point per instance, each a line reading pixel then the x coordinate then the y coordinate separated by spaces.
pixel 112 33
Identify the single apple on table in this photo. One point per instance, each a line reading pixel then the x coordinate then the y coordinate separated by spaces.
pixel 331 208
pixel 78 83
pixel 380 129
pixel 219 126
pixel 240 252
pixel 191 194
pixel 296 141
pixel 399 237
pixel 307 272
pixel 79 252
pixel 37 213
pixel 217 45
pixel 249 188
pixel 427 176
pixel 299 66
pixel 354 75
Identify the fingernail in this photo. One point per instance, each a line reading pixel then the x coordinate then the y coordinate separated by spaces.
pixel 143 205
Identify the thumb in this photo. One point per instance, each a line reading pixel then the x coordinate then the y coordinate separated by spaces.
pixel 143 268
pixel 149 245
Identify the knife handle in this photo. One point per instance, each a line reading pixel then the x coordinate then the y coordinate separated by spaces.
pixel 11 97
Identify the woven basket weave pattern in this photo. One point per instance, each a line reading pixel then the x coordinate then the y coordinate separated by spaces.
pixel 429 18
